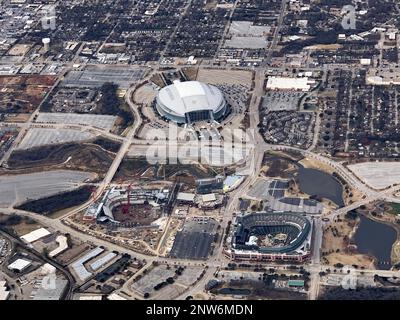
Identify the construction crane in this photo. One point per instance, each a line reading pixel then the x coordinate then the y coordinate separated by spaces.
pixel 127 206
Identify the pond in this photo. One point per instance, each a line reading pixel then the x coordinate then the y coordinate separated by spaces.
pixel 318 183
pixel 376 239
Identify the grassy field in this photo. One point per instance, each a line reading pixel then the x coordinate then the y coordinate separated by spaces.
pixel 394 208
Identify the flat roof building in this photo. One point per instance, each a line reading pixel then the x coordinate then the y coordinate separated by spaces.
pixel 20 265
pixel 35 235
pixel 286 83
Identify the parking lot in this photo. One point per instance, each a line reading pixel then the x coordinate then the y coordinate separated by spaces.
pixel 37 137
pixel 38 185
pixel 195 240
pixel 95 77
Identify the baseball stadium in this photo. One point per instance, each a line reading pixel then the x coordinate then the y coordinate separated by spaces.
pixel 271 236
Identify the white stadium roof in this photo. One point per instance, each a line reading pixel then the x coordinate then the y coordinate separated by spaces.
pixel 182 97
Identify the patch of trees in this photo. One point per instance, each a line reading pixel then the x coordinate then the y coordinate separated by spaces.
pixel 11 220
pixel 107 144
pixel 111 104
pixel 58 202
pixel 323 37
pixel 114 269
pixel 351 215
pixel 338 293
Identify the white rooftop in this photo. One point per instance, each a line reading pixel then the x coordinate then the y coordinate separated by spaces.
pixel 286 83
pixel 209 197
pixel 35 235
pixel 19 264
pixel 184 196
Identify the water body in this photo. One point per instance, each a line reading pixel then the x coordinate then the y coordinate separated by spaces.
pixel 318 183
pixel 376 239
pixel 235 291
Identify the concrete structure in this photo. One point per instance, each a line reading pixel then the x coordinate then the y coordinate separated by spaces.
pixel 62 246
pixel 46 44
pixel 184 197
pixel 4 293
pixel 232 182
pixel 191 101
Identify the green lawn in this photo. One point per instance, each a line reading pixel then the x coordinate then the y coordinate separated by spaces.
pixel 395 208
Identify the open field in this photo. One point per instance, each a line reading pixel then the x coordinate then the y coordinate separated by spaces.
pixel 145 94
pixel 19 224
pixel 91 156
pixel 105 122
pixel 335 245
pixel 134 167
pixel 230 77
pixel 19 188
pixel 378 175
pixel 37 137
pixel 23 94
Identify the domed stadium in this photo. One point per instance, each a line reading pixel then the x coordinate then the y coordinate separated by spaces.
pixel 191 101
pixel 270 236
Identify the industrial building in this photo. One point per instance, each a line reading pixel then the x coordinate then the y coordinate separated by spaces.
pixel 191 101
pixel 289 84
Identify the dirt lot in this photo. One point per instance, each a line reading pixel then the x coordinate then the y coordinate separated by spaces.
pixel 23 94
pixel 145 95
pixel 278 167
pixel 215 76
pixel 141 215
pixel 190 73
pixel 313 164
pixel 87 157
pixel 21 226
pixel 139 167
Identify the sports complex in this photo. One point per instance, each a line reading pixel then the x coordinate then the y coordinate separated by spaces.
pixel 191 101
pixel 270 236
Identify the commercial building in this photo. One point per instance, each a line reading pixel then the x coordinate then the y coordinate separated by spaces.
pixel 35 235
pixel 289 84
pixel 191 101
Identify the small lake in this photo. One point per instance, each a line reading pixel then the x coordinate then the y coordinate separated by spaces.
pixel 235 291
pixel 376 239
pixel 318 183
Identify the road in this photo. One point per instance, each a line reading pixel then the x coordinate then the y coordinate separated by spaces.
pixel 67 294
pixel 258 147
